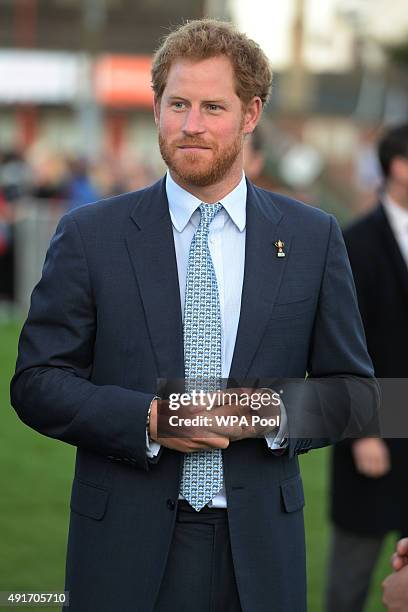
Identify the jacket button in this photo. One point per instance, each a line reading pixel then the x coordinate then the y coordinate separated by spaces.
pixel 170 504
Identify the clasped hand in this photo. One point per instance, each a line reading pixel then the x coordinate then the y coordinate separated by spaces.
pixel 220 418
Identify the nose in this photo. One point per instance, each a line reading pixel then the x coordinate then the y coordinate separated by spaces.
pixel 193 123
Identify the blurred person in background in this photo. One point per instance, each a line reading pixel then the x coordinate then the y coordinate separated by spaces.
pixel 369 486
pixel 6 250
pixel 136 174
pixel 50 177
pixel 15 183
pixel 367 169
pixel 15 176
pixel 108 175
pixel 81 188
pixel 254 157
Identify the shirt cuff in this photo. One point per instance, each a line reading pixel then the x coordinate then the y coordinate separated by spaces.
pixel 279 440
pixel 152 447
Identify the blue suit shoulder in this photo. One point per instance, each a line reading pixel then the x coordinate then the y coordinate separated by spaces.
pixel 298 212
pixel 106 220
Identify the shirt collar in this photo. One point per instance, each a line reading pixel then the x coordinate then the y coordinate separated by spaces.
pixel 182 204
pixel 397 215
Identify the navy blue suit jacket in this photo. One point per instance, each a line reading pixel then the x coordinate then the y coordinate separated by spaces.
pixel 105 322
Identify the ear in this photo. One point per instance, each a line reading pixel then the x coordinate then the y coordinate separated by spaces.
pixel 156 110
pixel 252 114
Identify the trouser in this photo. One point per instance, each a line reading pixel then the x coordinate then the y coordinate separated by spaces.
pixel 352 558
pixel 199 574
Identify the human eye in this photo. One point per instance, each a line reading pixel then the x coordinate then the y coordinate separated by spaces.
pixel 213 108
pixel 178 105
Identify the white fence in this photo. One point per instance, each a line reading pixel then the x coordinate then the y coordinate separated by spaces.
pixel 34 225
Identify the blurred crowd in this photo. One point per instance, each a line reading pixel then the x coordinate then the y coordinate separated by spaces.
pixel 59 183
pixel 72 181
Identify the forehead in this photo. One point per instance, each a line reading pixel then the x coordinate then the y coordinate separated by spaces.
pixel 213 76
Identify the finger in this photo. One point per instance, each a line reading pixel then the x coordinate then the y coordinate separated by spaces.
pixel 231 403
pixel 402 547
pixel 396 562
pixel 242 436
pixel 216 442
pixel 234 396
pixel 404 561
pixel 224 430
pixel 186 445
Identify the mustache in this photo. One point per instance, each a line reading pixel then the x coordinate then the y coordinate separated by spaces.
pixel 192 143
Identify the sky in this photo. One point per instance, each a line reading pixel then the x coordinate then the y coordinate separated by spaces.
pixel 268 26
pixel 328 30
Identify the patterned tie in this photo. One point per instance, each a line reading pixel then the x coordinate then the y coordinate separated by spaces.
pixel 202 476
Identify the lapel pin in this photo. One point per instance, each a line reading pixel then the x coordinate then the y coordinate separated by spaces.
pixel 279 248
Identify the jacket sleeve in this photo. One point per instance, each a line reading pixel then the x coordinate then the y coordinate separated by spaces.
pixel 340 397
pixel 51 389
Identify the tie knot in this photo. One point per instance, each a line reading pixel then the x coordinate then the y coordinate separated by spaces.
pixel 208 212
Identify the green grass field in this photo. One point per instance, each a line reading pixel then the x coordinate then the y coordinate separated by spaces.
pixel 35 478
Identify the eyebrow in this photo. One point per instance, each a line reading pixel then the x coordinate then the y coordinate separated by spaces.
pixel 220 101
pixel 209 101
pixel 175 97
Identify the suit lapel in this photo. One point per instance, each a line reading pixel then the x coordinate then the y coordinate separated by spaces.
pixel 150 243
pixel 262 277
pixel 389 242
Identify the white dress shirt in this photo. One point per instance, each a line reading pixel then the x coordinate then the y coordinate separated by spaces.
pixel 398 220
pixel 226 243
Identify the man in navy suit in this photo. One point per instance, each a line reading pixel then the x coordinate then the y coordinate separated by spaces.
pixel 120 305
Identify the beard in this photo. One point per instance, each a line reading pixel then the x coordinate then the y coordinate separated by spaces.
pixel 192 168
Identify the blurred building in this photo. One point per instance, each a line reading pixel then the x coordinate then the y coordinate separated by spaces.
pixel 337 82
pixel 75 75
pixel 75 78
pixel 117 26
